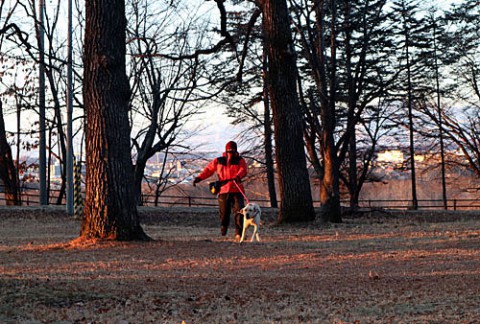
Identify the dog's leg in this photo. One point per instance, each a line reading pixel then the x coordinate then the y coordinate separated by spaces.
pixel 259 224
pixel 255 229
pixel 245 225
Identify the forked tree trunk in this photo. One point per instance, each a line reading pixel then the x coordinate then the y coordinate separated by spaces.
pixel 330 189
pixel 110 207
pixel 296 198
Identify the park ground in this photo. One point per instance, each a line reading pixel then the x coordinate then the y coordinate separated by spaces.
pixel 380 268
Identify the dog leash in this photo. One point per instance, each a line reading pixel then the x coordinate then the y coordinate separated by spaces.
pixel 241 191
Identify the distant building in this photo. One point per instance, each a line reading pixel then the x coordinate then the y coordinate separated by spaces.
pixel 390 156
pixel 55 170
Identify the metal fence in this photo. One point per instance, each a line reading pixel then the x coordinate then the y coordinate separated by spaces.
pixel 30 197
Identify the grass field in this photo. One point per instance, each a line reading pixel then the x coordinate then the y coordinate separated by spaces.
pixel 377 269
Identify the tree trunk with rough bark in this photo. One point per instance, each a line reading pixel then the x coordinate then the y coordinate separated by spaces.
pixel 296 198
pixel 110 206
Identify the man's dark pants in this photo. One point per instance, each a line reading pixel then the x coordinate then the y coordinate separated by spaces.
pixel 227 203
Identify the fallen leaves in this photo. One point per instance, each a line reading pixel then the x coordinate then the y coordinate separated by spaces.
pixel 361 272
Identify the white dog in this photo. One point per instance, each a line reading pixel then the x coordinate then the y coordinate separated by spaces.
pixel 251 217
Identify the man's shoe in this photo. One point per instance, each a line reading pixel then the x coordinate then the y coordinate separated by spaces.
pixel 223 230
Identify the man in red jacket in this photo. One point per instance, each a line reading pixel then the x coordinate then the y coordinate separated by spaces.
pixel 229 166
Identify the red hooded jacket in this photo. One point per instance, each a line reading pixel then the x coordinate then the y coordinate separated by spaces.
pixel 235 168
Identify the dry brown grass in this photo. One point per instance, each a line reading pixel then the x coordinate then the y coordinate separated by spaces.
pixel 370 270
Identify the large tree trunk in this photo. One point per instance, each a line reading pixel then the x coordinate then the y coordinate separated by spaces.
pixel 296 198
pixel 329 189
pixel 8 173
pixel 110 207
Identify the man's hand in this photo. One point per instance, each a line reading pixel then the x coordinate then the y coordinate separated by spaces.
pixel 237 179
pixel 196 180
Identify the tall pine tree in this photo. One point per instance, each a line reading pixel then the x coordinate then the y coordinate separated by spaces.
pixel 411 29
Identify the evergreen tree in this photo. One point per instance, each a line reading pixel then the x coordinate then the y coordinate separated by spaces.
pixel 315 25
pixel 345 84
pixel 365 75
pixel 463 44
pixel 411 29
